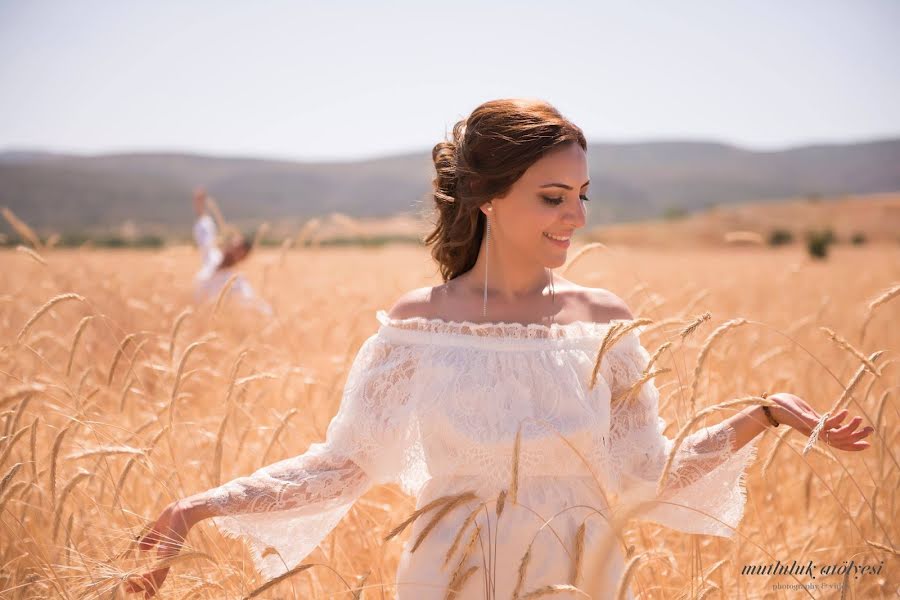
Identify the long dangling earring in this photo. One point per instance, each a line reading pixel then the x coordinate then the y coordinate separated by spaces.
pixel 487 258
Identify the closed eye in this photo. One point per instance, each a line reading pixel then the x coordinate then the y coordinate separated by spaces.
pixel 559 199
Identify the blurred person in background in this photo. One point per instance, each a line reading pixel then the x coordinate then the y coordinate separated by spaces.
pixel 218 262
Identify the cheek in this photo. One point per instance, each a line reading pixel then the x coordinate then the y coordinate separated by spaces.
pixel 528 225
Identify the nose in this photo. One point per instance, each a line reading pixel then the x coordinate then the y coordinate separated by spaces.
pixel 575 217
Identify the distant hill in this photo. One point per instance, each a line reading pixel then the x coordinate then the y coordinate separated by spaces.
pixel 876 217
pixel 57 192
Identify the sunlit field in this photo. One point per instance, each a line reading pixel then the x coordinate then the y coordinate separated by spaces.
pixel 123 395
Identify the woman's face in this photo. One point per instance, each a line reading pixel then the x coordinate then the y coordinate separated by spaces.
pixel 545 201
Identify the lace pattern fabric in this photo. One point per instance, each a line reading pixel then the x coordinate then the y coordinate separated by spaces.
pixel 704 491
pixel 435 406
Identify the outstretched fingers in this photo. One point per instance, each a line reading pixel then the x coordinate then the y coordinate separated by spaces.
pixel 848 437
pixel 149 583
pixel 845 430
pixel 835 419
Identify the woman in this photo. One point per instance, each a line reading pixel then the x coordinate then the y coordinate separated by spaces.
pixel 477 392
pixel 216 268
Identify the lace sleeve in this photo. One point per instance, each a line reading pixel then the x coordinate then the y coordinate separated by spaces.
pixel 704 491
pixel 285 509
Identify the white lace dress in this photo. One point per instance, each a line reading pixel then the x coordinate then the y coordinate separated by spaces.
pixel 435 406
pixel 210 279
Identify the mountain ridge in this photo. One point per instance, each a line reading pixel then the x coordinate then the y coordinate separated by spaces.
pixel 631 181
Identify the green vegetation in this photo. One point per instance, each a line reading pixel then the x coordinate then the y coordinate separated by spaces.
pixel 76 240
pixel 672 213
pixel 817 242
pixel 779 236
pixel 379 240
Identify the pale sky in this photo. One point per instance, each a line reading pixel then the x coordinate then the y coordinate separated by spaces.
pixel 345 80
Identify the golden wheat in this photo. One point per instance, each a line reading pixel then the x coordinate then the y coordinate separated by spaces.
pixel 53 384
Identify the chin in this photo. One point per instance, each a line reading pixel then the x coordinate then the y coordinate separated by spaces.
pixel 557 260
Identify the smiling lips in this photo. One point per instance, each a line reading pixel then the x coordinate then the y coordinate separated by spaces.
pixel 558 239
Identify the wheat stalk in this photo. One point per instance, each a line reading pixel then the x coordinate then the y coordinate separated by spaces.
pixel 582 252
pixel 19 412
pixel 33 445
pixel 579 553
pixel 175 327
pixel 54 454
pixel 416 514
pixel 440 514
pixel 187 352
pixel 22 228
pixel 21 391
pixel 883 547
pixel 277 580
pixel 13 489
pixel 630 568
pixel 849 348
pixel 121 480
pixel 759 361
pixel 459 578
pixel 616 332
pixel 779 440
pixel 694 325
pixel 514 476
pixel 665 346
pixel 857 377
pixel 627 395
pixel 275 435
pixel 459 533
pixel 124 394
pixel 31 254
pixel 115 361
pixel 7 450
pixel 223 292
pixel 217 457
pixel 704 352
pixel 883 298
pixel 523 568
pixel 78 332
pixel 605 345
pixel 9 477
pixel 50 304
pixel 81 474
pixel 106 451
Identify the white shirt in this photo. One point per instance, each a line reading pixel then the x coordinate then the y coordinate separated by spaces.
pixel 435 407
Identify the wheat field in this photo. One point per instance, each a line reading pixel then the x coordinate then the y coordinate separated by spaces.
pixel 118 395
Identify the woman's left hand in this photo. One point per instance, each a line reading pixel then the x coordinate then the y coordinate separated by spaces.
pixel 794 412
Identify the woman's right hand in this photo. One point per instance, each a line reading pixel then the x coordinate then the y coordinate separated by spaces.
pixel 169 531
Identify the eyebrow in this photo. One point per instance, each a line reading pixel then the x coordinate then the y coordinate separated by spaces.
pixel 562 185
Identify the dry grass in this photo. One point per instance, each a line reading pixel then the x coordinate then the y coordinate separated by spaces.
pixel 113 405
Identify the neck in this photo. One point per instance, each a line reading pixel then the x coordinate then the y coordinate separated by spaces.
pixel 510 278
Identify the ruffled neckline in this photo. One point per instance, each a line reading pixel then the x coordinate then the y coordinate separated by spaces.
pixel 503 334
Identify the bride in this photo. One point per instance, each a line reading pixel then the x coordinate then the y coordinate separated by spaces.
pixel 480 398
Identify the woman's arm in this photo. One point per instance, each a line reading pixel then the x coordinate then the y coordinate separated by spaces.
pixel 285 509
pixel 306 481
pixel 792 411
pixel 312 491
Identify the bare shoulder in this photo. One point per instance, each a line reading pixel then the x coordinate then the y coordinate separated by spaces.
pixel 603 305
pixel 418 302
